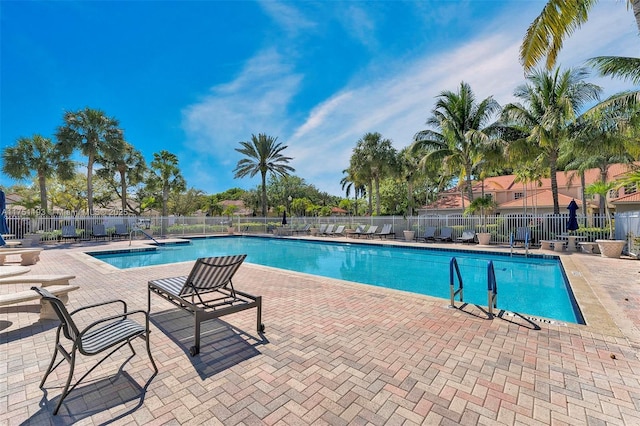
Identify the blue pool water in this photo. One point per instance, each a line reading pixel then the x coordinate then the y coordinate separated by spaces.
pixel 533 286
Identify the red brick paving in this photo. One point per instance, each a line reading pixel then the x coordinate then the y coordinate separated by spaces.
pixel 333 353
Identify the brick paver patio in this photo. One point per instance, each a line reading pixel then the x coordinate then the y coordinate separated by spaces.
pixel 335 353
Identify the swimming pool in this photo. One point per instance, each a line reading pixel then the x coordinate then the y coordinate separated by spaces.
pixel 534 286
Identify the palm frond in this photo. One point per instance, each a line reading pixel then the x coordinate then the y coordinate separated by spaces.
pixel 617 66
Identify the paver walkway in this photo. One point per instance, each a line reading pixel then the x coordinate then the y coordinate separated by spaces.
pixel 335 353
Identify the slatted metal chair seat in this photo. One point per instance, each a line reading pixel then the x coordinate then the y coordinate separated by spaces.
pixel 114 331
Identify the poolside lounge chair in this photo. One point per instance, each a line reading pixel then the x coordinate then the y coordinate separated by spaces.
pixel 110 333
pixel 429 234
pixel 207 292
pixel 358 231
pixel 446 234
pixel 304 230
pixel 522 235
pixel 338 231
pixel 328 231
pixel 371 231
pixel 321 229
pixel 121 230
pixel 468 236
pixel 69 233
pixel 386 231
pixel 98 231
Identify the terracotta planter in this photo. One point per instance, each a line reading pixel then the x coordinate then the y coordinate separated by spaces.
pixel 231 230
pixel 611 248
pixel 484 238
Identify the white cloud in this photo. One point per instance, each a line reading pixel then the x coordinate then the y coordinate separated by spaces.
pixel 288 18
pixel 395 104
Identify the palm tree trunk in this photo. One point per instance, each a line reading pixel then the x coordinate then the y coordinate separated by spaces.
pixel 377 196
pixel 636 11
pixel 553 157
pixel 583 196
pixel 602 205
pixel 90 184
pixel 370 191
pixel 42 182
pixel 410 198
pixel 264 194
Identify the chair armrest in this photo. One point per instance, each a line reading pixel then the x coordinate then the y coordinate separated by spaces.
pixel 113 317
pixel 95 305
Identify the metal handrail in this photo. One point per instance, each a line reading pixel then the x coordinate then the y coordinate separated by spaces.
pixel 453 265
pixel 492 288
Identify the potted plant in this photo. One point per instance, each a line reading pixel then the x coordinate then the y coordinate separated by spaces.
pixel 611 247
pixel 484 205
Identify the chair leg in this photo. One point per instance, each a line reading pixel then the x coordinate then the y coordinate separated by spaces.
pixel 51 367
pixel 147 340
pixel 66 390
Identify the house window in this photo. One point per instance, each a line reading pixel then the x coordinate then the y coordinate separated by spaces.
pixel 518 195
pixel 631 189
pixel 613 193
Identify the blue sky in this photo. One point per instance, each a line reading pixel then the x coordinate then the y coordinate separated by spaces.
pixel 197 77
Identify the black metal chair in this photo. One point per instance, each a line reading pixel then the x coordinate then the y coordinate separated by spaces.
pixel 111 332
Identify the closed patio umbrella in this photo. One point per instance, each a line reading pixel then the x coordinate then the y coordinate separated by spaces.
pixel 572 223
pixel 4 229
pixel 284 218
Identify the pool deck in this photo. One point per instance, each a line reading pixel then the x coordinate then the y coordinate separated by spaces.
pixel 334 353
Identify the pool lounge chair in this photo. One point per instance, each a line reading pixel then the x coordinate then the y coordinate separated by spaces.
pixel 321 229
pixel 107 333
pixel 369 233
pixel 522 235
pixel 121 230
pixel 446 234
pixel 338 231
pixel 69 233
pixel 304 230
pixel 328 231
pixel 98 231
pixel 358 231
pixel 207 292
pixel 429 234
pixel 468 236
pixel 386 231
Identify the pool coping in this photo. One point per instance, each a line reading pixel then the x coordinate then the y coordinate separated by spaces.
pixel 596 307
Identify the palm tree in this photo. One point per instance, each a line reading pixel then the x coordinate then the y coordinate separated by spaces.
pixel 551 103
pixel 599 141
pixel 374 156
pixel 91 131
pixel 166 176
pixel 37 154
pixel 352 180
pixel 263 155
pixel 128 164
pixel 408 171
pixel 558 20
pixel 602 189
pixel 461 134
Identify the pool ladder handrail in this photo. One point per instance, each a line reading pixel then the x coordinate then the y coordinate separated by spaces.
pixel 453 266
pixel 138 229
pixel 492 289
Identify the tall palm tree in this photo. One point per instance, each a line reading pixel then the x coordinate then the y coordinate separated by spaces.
pixel 551 102
pixel 263 154
pixel 461 132
pixel 599 141
pixel 128 164
pixel 352 180
pixel 93 132
pixel 408 171
pixel 557 21
pixel 40 155
pixel 166 176
pixel 374 156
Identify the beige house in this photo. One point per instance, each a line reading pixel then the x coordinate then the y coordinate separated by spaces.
pixel 536 197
